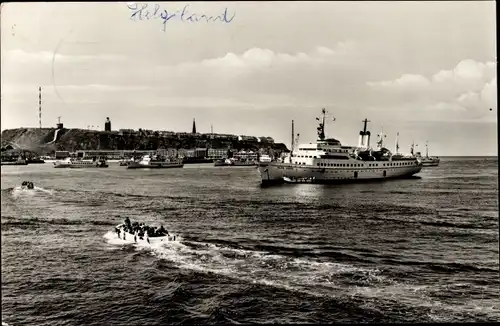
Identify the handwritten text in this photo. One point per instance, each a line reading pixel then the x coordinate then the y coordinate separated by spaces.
pixel 144 12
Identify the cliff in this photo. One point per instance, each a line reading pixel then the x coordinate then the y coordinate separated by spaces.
pixel 43 141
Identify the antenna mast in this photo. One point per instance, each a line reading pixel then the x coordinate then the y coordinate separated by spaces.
pixel 321 127
pixel 381 136
pixel 40 106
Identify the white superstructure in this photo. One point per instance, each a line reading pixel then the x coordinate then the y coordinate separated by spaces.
pixel 79 163
pixel 328 160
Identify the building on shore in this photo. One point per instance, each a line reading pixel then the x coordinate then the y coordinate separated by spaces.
pixel 216 153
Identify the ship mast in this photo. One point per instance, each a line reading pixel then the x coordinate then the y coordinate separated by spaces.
pixel 381 138
pixel 397 143
pixel 426 149
pixel 321 127
pixel 413 146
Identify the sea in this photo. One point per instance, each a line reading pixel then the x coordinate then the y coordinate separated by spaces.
pixel 397 251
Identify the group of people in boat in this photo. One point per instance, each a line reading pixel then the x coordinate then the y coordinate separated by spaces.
pixel 140 230
pixel 27 185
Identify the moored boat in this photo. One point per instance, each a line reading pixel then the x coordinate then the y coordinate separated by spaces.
pixel 35 160
pixel 80 163
pixel 153 162
pixel 234 162
pixel 19 161
pixel 328 160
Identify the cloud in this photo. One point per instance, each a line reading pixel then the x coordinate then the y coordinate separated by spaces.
pixel 469 90
pixel 255 58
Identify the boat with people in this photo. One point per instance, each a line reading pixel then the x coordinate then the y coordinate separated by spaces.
pixel 327 160
pixel 153 162
pixel 429 160
pixel 81 163
pixel 141 233
pixel 27 185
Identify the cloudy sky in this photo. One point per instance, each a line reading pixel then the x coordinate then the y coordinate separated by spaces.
pixel 425 69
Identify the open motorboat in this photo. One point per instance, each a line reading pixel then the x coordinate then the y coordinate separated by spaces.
pixel 142 234
pixel 27 185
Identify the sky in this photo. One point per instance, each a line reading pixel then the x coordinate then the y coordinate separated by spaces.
pixel 424 69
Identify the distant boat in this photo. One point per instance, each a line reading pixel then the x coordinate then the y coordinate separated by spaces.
pixel 429 160
pixel 125 162
pixel 79 163
pixel 147 162
pixel 35 160
pixel 234 162
pixel 19 161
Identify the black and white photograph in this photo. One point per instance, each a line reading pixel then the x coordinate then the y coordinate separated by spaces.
pixel 249 162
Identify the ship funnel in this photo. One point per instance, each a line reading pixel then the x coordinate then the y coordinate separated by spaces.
pixel 364 135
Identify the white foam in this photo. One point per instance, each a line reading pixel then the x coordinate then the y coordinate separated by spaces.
pixel 44 190
pixel 294 274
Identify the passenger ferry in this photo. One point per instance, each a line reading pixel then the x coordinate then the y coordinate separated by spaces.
pixel 328 160
pixel 80 163
pixel 153 162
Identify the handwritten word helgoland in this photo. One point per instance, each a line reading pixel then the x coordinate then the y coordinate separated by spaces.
pixel 144 12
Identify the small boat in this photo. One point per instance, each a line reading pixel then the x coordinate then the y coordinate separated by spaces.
pixel 79 163
pixel 35 160
pixel 148 162
pixel 27 185
pixel 429 160
pixel 123 232
pixel 19 161
pixel 234 162
pixel 125 162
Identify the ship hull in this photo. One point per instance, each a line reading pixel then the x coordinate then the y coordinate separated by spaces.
pixel 275 173
pixel 79 166
pixel 427 163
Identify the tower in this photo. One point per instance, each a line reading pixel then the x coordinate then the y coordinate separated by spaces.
pixel 194 127
pixel 40 106
pixel 59 123
pixel 107 124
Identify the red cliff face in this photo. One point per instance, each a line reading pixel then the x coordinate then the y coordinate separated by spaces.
pixel 44 141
